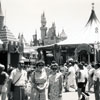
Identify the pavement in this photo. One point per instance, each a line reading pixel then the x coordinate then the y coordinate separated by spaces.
pixel 72 95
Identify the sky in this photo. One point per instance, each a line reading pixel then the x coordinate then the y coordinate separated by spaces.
pixel 24 16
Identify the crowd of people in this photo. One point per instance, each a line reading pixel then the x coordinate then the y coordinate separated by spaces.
pixel 42 82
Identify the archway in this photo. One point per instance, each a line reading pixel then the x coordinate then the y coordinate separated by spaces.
pixel 83 52
pixel 83 56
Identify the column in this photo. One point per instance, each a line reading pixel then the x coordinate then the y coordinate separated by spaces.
pixel 8 59
pixel 88 58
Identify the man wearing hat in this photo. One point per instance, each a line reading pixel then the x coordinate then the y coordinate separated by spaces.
pixel 3 82
pixel 19 78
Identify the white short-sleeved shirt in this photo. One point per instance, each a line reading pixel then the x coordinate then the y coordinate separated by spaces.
pixel 76 67
pixel 15 74
pixel 96 74
pixel 72 72
pixel 86 71
pixel 83 76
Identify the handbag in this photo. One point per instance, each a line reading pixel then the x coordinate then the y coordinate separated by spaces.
pixel 13 84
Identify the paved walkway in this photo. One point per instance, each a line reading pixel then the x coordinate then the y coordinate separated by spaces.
pixel 74 96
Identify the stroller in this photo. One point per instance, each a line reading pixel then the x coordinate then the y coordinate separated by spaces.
pixel 84 96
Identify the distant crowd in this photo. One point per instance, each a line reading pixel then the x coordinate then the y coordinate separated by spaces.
pixel 40 82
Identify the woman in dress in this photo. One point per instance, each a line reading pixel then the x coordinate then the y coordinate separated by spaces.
pixel 55 84
pixel 39 82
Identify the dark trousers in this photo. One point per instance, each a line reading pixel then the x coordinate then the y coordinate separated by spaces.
pixel 19 93
pixel 97 90
pixel 82 85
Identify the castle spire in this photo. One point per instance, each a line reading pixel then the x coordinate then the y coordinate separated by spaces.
pixel 1 12
pixel 43 27
pixel 36 34
pixel 1 17
pixel 43 20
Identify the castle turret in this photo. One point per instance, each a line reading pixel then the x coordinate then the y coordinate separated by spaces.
pixel 53 29
pixel 1 18
pixel 43 27
pixel 35 36
pixel 63 35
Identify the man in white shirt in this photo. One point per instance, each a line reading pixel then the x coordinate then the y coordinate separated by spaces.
pixel 19 78
pixel 96 79
pixel 71 77
pixel 81 79
pixel 76 66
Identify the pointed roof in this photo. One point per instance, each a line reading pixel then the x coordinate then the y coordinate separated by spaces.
pixel 89 35
pixel 91 31
pixel 1 12
pixel 43 19
pixel 43 15
pixel 6 35
pixel 93 17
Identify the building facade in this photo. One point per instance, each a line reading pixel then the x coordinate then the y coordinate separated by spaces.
pixel 11 47
pixel 49 35
pixel 86 49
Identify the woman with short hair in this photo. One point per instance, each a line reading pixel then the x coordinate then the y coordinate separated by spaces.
pixel 39 82
pixel 55 84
